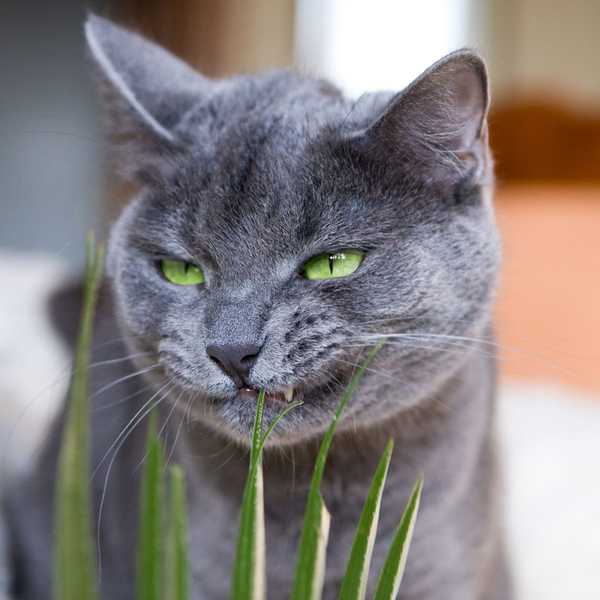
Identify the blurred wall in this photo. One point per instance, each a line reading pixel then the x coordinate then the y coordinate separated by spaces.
pixel 545 134
pixel 50 155
pixel 219 38
pixel 546 46
pixel 545 64
pixel 367 46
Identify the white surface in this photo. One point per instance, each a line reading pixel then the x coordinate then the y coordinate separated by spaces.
pixel 551 448
pixel 34 364
pixel 373 45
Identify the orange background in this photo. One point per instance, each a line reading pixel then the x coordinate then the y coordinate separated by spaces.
pixel 548 311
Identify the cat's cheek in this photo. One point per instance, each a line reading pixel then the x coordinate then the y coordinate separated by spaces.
pixel 136 305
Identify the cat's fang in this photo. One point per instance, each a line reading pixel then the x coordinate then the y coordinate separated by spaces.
pixel 288 393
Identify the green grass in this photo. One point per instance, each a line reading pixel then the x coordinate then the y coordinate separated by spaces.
pixel 162 558
pixel 73 539
pixel 150 543
pixel 354 584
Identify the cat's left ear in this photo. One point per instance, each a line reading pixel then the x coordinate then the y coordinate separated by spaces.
pixel 438 123
pixel 145 92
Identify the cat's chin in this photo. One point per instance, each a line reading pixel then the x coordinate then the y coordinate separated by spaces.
pixel 233 416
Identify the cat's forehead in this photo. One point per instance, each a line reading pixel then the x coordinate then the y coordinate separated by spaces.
pixel 262 219
pixel 267 183
pixel 268 208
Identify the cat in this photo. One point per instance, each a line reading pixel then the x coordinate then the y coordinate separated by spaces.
pixel 280 230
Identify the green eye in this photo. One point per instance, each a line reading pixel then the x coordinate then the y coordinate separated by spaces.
pixel 181 273
pixel 333 265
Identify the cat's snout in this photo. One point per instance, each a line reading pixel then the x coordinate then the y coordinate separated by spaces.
pixel 235 360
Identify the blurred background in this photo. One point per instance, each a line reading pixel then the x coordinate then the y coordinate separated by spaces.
pixel 544 60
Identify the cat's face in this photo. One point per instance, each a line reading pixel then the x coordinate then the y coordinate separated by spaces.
pixel 247 180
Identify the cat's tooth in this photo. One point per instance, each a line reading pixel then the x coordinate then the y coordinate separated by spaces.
pixel 288 393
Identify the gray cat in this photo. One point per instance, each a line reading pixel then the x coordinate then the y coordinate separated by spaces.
pixel 280 230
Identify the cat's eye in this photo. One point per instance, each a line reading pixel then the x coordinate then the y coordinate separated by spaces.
pixel 180 272
pixel 331 265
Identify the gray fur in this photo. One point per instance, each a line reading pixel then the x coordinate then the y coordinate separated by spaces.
pixel 249 177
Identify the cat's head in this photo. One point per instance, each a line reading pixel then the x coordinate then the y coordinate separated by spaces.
pixel 281 229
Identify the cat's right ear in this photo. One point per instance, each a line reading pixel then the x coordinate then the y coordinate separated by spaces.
pixel 145 91
pixel 436 127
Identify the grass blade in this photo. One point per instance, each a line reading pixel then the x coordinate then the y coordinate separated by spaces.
pixel 74 555
pixel 354 584
pixel 310 564
pixel 150 539
pixel 249 566
pixel 276 420
pixel 177 558
pixel 395 562
pixel 312 550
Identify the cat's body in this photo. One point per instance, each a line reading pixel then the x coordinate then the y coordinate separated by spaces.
pixel 448 439
pixel 248 179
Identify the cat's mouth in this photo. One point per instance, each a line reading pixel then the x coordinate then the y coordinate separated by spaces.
pixel 285 395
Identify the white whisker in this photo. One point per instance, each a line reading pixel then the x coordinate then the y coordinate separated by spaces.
pixel 145 410
pixel 131 421
pixel 114 361
pixel 108 386
pixel 122 400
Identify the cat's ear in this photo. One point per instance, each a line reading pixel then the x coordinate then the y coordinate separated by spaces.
pixel 439 120
pixel 145 92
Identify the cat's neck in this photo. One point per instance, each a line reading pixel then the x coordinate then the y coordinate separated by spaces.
pixel 424 437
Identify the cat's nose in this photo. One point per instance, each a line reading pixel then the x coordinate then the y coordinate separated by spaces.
pixel 235 360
